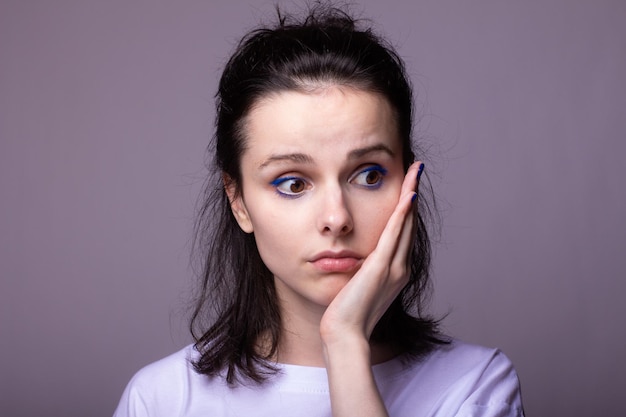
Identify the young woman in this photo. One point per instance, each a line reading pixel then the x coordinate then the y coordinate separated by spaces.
pixel 316 248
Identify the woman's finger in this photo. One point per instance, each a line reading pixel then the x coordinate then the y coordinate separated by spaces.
pixel 391 235
pixel 400 261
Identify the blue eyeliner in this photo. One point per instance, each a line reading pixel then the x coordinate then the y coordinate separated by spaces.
pixel 278 181
pixel 377 168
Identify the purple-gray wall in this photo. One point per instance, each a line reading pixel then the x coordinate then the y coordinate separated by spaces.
pixel 105 111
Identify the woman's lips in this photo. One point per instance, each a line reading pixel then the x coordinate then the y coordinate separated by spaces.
pixel 336 262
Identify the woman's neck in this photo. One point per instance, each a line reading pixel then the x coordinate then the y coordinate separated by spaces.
pixel 301 343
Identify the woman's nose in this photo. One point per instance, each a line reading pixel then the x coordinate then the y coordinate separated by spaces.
pixel 335 216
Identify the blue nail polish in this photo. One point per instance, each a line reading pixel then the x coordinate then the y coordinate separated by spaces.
pixel 420 170
pixel 414 197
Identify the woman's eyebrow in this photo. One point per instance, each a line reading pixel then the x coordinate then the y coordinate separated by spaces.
pixel 291 157
pixel 307 159
pixel 361 152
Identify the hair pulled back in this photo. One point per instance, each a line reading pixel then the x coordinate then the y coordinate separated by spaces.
pixel 237 303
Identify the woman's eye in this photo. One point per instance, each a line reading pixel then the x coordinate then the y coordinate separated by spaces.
pixel 371 177
pixel 290 186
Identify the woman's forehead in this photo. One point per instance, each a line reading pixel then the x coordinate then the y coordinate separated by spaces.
pixel 335 117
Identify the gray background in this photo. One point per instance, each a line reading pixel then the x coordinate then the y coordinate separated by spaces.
pixel 105 111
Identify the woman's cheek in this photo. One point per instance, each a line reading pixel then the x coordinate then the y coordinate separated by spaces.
pixel 274 233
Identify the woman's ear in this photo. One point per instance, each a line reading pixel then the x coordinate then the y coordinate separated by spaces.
pixel 237 205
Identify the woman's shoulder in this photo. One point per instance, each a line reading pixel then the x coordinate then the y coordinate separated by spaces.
pixel 172 367
pixel 159 386
pixel 453 358
pixel 464 356
pixel 457 360
pixel 454 377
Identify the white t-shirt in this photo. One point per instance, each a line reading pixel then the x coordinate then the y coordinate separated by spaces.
pixel 459 379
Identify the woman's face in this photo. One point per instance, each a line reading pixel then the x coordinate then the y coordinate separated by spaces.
pixel 320 176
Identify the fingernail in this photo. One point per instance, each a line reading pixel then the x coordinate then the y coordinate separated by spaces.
pixel 414 197
pixel 420 170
